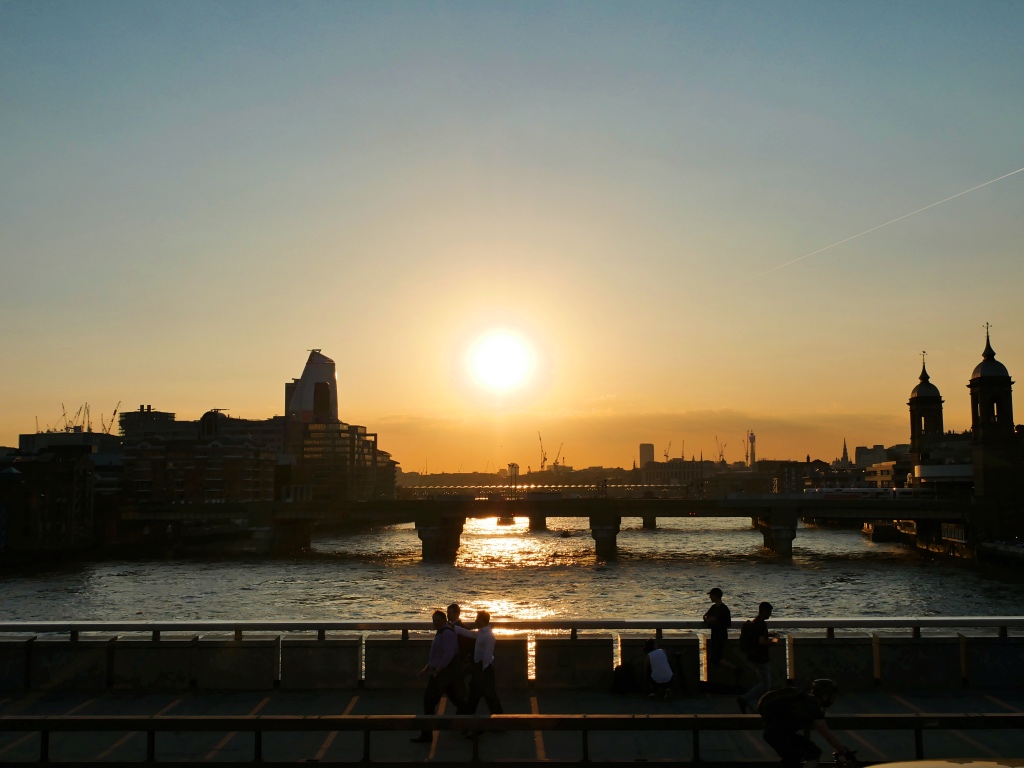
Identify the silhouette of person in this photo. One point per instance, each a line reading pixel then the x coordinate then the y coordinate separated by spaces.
pixel 795 712
pixel 442 671
pixel 719 619
pixel 755 641
pixel 657 669
pixel 481 680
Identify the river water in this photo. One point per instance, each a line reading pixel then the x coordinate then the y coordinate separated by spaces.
pixel 378 575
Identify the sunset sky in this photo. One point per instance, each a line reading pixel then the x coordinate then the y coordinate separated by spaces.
pixel 192 194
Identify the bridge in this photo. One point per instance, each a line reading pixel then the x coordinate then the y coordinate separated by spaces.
pixel 282 692
pixel 439 522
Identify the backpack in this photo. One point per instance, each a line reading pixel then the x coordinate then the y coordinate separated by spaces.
pixel 778 705
pixel 749 639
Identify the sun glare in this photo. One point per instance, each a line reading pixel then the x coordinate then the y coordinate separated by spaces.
pixel 500 361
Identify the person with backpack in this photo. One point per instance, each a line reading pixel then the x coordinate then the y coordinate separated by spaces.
pixel 789 712
pixel 443 670
pixel 755 642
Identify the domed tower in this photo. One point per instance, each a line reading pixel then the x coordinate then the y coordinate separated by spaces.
pixel 991 400
pixel 925 415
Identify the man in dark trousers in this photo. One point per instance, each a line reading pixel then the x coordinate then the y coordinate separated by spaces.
pixel 755 641
pixel 481 681
pixel 719 619
pixel 442 670
pixel 789 712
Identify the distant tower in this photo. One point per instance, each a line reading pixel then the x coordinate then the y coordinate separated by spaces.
pixel 752 439
pixel 845 461
pixel 646 453
pixel 925 414
pixel 991 399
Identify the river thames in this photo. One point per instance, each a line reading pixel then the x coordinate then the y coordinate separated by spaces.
pixel 665 574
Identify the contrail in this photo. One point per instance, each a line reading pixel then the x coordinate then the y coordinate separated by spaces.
pixel 886 224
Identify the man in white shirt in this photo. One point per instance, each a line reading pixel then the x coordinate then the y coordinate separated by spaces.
pixel 481 682
pixel 657 669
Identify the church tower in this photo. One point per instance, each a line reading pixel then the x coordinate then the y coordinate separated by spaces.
pixel 991 400
pixel 925 415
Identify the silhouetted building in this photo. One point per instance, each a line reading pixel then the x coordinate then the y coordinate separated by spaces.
pixel 646 453
pixel 997 448
pixel 46 503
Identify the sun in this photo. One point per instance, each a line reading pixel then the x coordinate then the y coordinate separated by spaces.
pixel 501 361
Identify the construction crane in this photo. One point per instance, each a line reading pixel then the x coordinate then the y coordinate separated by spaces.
pixel 721 449
pixel 112 417
pixel 555 464
pixel 543 455
pixel 668 450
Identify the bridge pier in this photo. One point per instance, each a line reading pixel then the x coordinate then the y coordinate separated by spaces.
pixel 605 529
pixel 538 522
pixel 440 538
pixel 650 522
pixel 778 531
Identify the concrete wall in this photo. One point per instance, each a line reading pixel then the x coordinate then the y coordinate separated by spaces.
pixel 994 662
pixel 849 660
pixel 13 662
pixel 581 664
pixel 395 663
pixel 250 664
pixel 309 664
pixel 165 665
pixel 81 665
pixel 905 663
pixel 855 662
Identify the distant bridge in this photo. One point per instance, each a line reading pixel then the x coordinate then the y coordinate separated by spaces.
pixel 439 522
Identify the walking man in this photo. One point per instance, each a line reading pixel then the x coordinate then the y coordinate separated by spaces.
pixel 719 619
pixel 481 680
pixel 755 642
pixel 442 670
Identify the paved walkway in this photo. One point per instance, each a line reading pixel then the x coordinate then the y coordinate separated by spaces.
pixel 723 747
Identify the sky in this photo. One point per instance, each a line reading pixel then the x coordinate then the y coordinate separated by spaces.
pixel 193 194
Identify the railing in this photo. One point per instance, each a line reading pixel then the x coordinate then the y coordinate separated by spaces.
pixel 918 724
pixel 829 624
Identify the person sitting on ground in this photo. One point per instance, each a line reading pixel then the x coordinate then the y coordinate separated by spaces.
pixel 657 669
pixel 789 712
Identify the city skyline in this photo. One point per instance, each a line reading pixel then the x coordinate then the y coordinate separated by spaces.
pixel 193 195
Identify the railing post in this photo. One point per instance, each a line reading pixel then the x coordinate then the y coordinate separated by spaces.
pixel 150 746
pixel 405 633
pixel 830 633
pixel 586 744
pixel 366 746
pixel 1004 632
pixel 918 744
pixel 915 632
pixel 658 633
pixel 572 633
pixel 44 746
pixel 257 753
pixel 238 635
pixel 321 634
pixel 696 745
pixel 475 758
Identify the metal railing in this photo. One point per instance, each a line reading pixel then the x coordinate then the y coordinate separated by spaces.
pixel 694 724
pixel 1002 624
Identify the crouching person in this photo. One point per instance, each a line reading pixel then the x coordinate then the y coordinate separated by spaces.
pixel 788 712
pixel 657 670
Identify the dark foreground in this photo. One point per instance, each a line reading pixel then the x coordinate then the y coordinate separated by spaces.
pixel 646 734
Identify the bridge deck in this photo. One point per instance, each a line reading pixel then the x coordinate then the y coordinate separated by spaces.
pixel 733 739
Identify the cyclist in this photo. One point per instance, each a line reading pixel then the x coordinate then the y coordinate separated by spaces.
pixel 788 712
